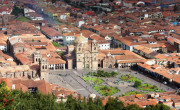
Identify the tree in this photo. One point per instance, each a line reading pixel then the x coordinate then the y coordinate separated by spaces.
pixel 137 83
pixel 99 105
pixel 133 107
pixel 157 107
pixel 162 107
pixel 5 99
pixel 17 11
pixel 113 73
pixel 175 8
pixel 70 103
pixel 150 107
pixel 114 104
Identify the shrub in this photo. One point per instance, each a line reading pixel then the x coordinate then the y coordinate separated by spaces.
pixel 137 84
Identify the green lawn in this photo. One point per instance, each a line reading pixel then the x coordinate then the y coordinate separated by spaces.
pixel 133 93
pixel 149 87
pixel 106 90
pixel 23 19
pixel 57 45
pixel 129 78
pixel 60 53
pixel 93 80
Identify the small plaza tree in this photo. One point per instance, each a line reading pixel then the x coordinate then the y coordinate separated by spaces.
pixel 137 84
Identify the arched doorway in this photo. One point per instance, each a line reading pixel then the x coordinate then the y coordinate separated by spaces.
pixel 87 65
pixel 110 66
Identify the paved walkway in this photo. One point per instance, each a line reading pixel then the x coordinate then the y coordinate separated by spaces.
pixel 56 79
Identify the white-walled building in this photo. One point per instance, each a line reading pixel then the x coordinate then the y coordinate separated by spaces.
pixel 31 14
pixel 3 47
pixel 103 45
pixel 67 40
pixel 27 10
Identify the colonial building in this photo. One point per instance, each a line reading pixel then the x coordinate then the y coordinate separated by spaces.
pixel 118 58
pixel 20 71
pixel 86 54
pixel 70 57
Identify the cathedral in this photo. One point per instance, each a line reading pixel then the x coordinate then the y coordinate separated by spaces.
pixel 86 53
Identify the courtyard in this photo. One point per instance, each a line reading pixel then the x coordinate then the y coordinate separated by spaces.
pixel 119 82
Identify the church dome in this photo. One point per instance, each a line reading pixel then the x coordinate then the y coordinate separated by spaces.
pixel 81 39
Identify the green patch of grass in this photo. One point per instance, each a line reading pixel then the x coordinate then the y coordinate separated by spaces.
pixel 93 80
pixel 129 78
pixel 23 19
pixel 149 87
pixel 60 53
pixel 133 93
pixel 56 44
pixel 106 90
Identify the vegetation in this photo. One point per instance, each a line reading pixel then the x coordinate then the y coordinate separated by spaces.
pixel 133 107
pixel 93 80
pixel 106 91
pixel 114 104
pixel 23 19
pixel 132 93
pixel 56 44
pixel 60 53
pixel 101 73
pixel 157 107
pixel 17 11
pixel 18 100
pixel 149 87
pixel 129 78
pixel 137 84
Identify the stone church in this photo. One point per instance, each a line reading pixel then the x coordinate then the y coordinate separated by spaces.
pixel 86 53
pixel 43 65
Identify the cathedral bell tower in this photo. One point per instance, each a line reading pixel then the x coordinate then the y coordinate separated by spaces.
pixel 44 69
pixel 37 57
pixel 94 55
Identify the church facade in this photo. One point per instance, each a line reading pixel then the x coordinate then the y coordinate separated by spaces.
pixel 86 54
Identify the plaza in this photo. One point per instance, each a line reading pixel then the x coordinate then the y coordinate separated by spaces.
pixel 73 80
